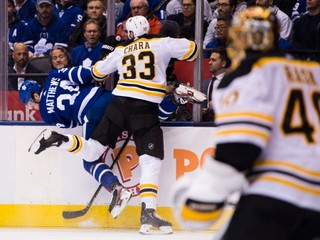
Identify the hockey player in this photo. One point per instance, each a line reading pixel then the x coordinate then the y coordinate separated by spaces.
pixel 69 99
pixel 267 117
pixel 141 63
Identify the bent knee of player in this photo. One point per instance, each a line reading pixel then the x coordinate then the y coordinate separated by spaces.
pixel 94 150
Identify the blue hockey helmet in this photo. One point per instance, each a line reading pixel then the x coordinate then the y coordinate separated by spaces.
pixel 27 89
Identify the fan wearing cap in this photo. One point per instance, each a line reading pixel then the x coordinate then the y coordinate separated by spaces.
pixel 45 29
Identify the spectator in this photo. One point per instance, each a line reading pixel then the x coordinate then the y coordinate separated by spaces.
pixel 88 53
pixel 225 7
pixel 218 64
pixel 175 7
pixel 221 32
pixel 45 29
pixel 306 31
pixel 285 23
pixel 26 9
pixel 95 10
pixel 241 5
pixel 69 13
pixel 187 18
pixel 161 13
pixel 141 8
pixel 20 57
pixel 59 57
pixel 18 31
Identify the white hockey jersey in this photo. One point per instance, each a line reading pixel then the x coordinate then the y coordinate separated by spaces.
pixel 276 106
pixel 142 66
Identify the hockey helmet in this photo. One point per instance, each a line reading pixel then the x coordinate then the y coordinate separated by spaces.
pixel 27 89
pixel 138 25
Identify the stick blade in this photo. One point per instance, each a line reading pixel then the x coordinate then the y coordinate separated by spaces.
pixel 74 214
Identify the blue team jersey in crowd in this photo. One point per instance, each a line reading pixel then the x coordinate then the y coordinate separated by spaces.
pixel 82 55
pixel 70 15
pixel 28 10
pixel 67 96
pixel 18 32
pixel 45 37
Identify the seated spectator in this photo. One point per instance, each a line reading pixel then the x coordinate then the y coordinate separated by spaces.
pixel 175 7
pixel 46 29
pixel 59 57
pixel 187 17
pixel 141 8
pixel 285 23
pixel 89 53
pixel 241 5
pixel 20 57
pixel 306 32
pixel 224 7
pixel 95 10
pixel 220 40
pixel 18 30
pixel 26 9
pixel 69 13
pixel 161 13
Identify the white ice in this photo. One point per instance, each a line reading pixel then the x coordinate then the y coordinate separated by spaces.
pixel 95 234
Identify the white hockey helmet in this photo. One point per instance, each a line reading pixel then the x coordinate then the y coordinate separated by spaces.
pixel 138 25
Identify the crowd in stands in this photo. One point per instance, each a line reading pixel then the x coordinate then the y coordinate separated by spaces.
pixel 35 27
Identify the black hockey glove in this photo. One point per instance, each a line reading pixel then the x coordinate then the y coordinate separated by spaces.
pixel 110 43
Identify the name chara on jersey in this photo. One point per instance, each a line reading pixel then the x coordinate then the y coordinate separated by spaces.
pixel 137 46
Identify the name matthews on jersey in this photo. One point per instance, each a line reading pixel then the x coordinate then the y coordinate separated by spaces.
pixel 54 82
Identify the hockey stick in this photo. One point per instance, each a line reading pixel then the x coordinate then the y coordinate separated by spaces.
pixel 156 8
pixel 82 212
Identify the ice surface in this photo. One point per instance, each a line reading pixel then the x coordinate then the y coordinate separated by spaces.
pixel 96 234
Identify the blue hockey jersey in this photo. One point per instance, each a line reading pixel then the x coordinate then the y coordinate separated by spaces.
pixel 67 96
pixel 45 37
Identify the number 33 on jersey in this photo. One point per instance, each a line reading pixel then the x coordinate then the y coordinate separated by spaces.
pixel 142 65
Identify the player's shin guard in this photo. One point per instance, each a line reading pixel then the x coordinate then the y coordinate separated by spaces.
pixel 150 170
pixel 199 201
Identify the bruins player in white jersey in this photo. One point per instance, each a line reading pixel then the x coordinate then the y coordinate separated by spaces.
pixel 141 63
pixel 267 116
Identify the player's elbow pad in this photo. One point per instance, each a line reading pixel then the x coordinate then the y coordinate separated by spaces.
pixel 199 200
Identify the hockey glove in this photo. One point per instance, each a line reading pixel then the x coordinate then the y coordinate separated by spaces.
pixel 199 201
pixel 109 45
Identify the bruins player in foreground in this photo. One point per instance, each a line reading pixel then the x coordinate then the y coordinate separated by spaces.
pixel 267 145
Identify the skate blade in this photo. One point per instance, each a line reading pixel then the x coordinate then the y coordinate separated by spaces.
pixel 117 210
pixel 149 230
pixel 36 143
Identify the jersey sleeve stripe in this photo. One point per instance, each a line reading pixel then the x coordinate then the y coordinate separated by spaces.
pixel 192 53
pixel 96 74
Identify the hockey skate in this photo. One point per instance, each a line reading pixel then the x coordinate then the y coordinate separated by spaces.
pixel 185 94
pixel 149 219
pixel 47 139
pixel 119 200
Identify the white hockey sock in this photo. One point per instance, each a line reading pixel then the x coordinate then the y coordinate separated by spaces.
pixel 150 170
pixel 90 149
